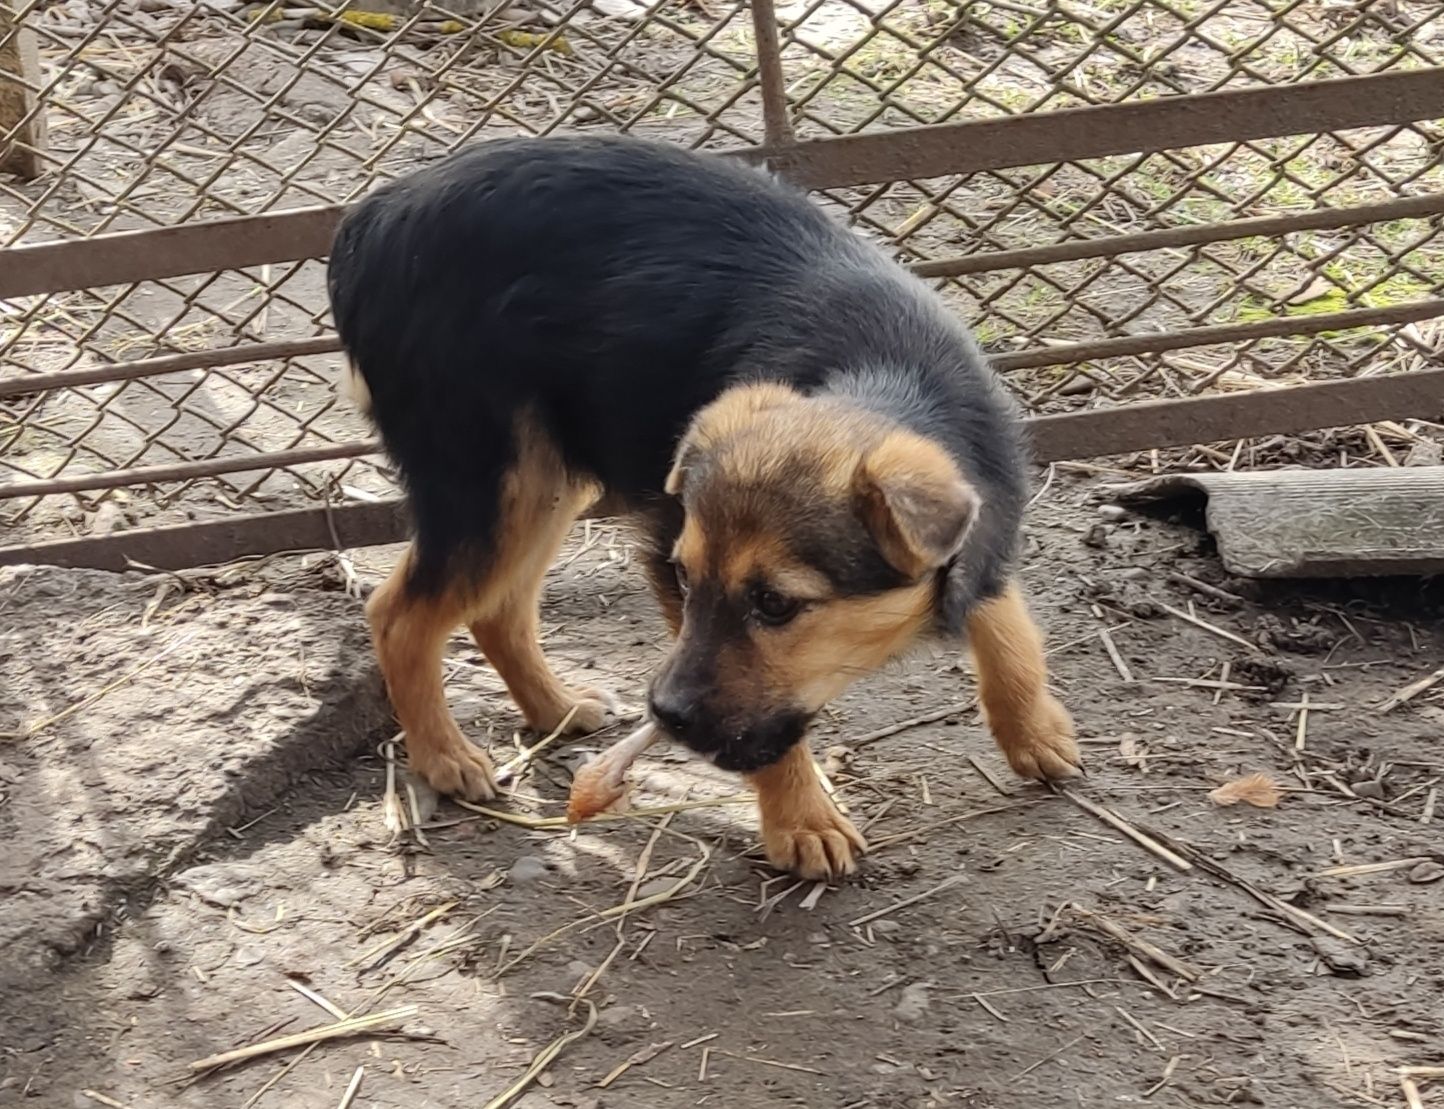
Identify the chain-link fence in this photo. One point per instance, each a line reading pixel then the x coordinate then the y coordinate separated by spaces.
pixel 161 113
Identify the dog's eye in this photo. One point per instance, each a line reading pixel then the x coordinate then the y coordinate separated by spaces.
pixel 681 577
pixel 773 608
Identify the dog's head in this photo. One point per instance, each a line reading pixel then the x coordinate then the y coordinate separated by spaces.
pixel 810 554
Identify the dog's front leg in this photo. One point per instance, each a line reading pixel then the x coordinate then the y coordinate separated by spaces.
pixel 1032 728
pixel 802 829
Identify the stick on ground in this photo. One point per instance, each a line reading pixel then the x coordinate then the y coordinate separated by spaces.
pixel 1112 819
pixel 301 1039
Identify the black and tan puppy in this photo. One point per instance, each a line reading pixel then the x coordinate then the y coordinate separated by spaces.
pixel 824 465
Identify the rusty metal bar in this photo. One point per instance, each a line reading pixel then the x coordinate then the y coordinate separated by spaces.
pixel 1066 354
pixel 1142 127
pixel 126 256
pixel 776 119
pixel 169 364
pixel 1055 438
pixel 1181 423
pixel 185 471
pixel 1318 219
pixel 1043 138
pixel 1160 342
pixel 180 546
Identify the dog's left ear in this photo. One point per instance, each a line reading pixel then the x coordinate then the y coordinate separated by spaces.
pixel 720 420
pixel 917 505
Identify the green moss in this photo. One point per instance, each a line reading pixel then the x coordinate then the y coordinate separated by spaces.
pixel 1399 289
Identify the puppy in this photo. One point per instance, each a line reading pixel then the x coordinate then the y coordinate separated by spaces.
pixel 823 466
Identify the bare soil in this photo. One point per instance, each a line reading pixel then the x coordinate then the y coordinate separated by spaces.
pixel 206 829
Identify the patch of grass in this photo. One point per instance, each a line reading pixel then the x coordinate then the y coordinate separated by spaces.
pixel 1399 289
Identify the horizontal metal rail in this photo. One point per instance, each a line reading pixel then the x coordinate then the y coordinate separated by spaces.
pixel 1064 354
pixel 186 471
pixel 240 355
pixel 1109 246
pixel 1091 434
pixel 1043 138
pixel 1134 127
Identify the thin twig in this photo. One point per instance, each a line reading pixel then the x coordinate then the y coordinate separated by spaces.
pixel 1212 629
pixel 1112 819
pixel 39 726
pixel 300 1039
pixel 867 918
pixel 1412 690
pixel 545 1057
pixel 352 1088
pixel 913 722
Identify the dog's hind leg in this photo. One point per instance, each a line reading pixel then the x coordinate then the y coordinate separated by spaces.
pixel 479 559
pixel 540 501
pixel 409 627
pixel 1032 728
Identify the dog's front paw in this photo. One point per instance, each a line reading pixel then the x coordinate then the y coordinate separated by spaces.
pixel 1041 745
pixel 456 769
pixel 817 843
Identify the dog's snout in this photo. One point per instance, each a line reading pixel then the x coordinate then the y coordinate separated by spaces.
pixel 674 708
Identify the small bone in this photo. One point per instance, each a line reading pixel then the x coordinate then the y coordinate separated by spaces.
pixel 602 782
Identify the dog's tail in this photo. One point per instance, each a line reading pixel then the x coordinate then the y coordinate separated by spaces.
pixel 354 388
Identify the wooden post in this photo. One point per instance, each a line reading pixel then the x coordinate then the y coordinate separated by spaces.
pixel 22 119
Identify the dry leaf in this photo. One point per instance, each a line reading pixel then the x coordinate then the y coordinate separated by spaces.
pixel 1258 790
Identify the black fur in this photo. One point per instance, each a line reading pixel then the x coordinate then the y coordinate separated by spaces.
pixel 611 288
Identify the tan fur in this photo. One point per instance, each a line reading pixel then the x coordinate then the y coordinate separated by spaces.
pixel 915 501
pixel 824 650
pixel 1033 730
pixel 353 387
pixel 723 418
pixel 539 503
pixel 802 829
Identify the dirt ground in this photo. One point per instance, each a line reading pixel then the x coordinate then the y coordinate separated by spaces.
pixel 201 839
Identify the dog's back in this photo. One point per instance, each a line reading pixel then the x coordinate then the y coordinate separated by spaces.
pixel 609 289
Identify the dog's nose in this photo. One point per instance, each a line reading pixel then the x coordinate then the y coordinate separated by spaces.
pixel 674 710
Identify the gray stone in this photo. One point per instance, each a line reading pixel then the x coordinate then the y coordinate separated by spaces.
pixel 914 1003
pixel 528 869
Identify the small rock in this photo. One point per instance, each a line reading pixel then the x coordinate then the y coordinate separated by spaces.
pixel 654 887
pixel 885 927
pixel 623 1024
pixel 818 938
pixel 1424 453
pixel 221 884
pixel 1368 788
pixel 107 518
pixel 528 869
pixel 1112 511
pixel 1425 873
pixel 1097 536
pixel 914 1003
pixel 1343 962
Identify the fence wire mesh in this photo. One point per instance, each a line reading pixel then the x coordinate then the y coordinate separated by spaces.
pixel 159 113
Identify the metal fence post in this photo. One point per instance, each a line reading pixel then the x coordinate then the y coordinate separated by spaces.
pixel 22 119
pixel 776 123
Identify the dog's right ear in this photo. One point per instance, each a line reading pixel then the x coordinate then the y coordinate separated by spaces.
pixel 721 420
pixel 915 502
